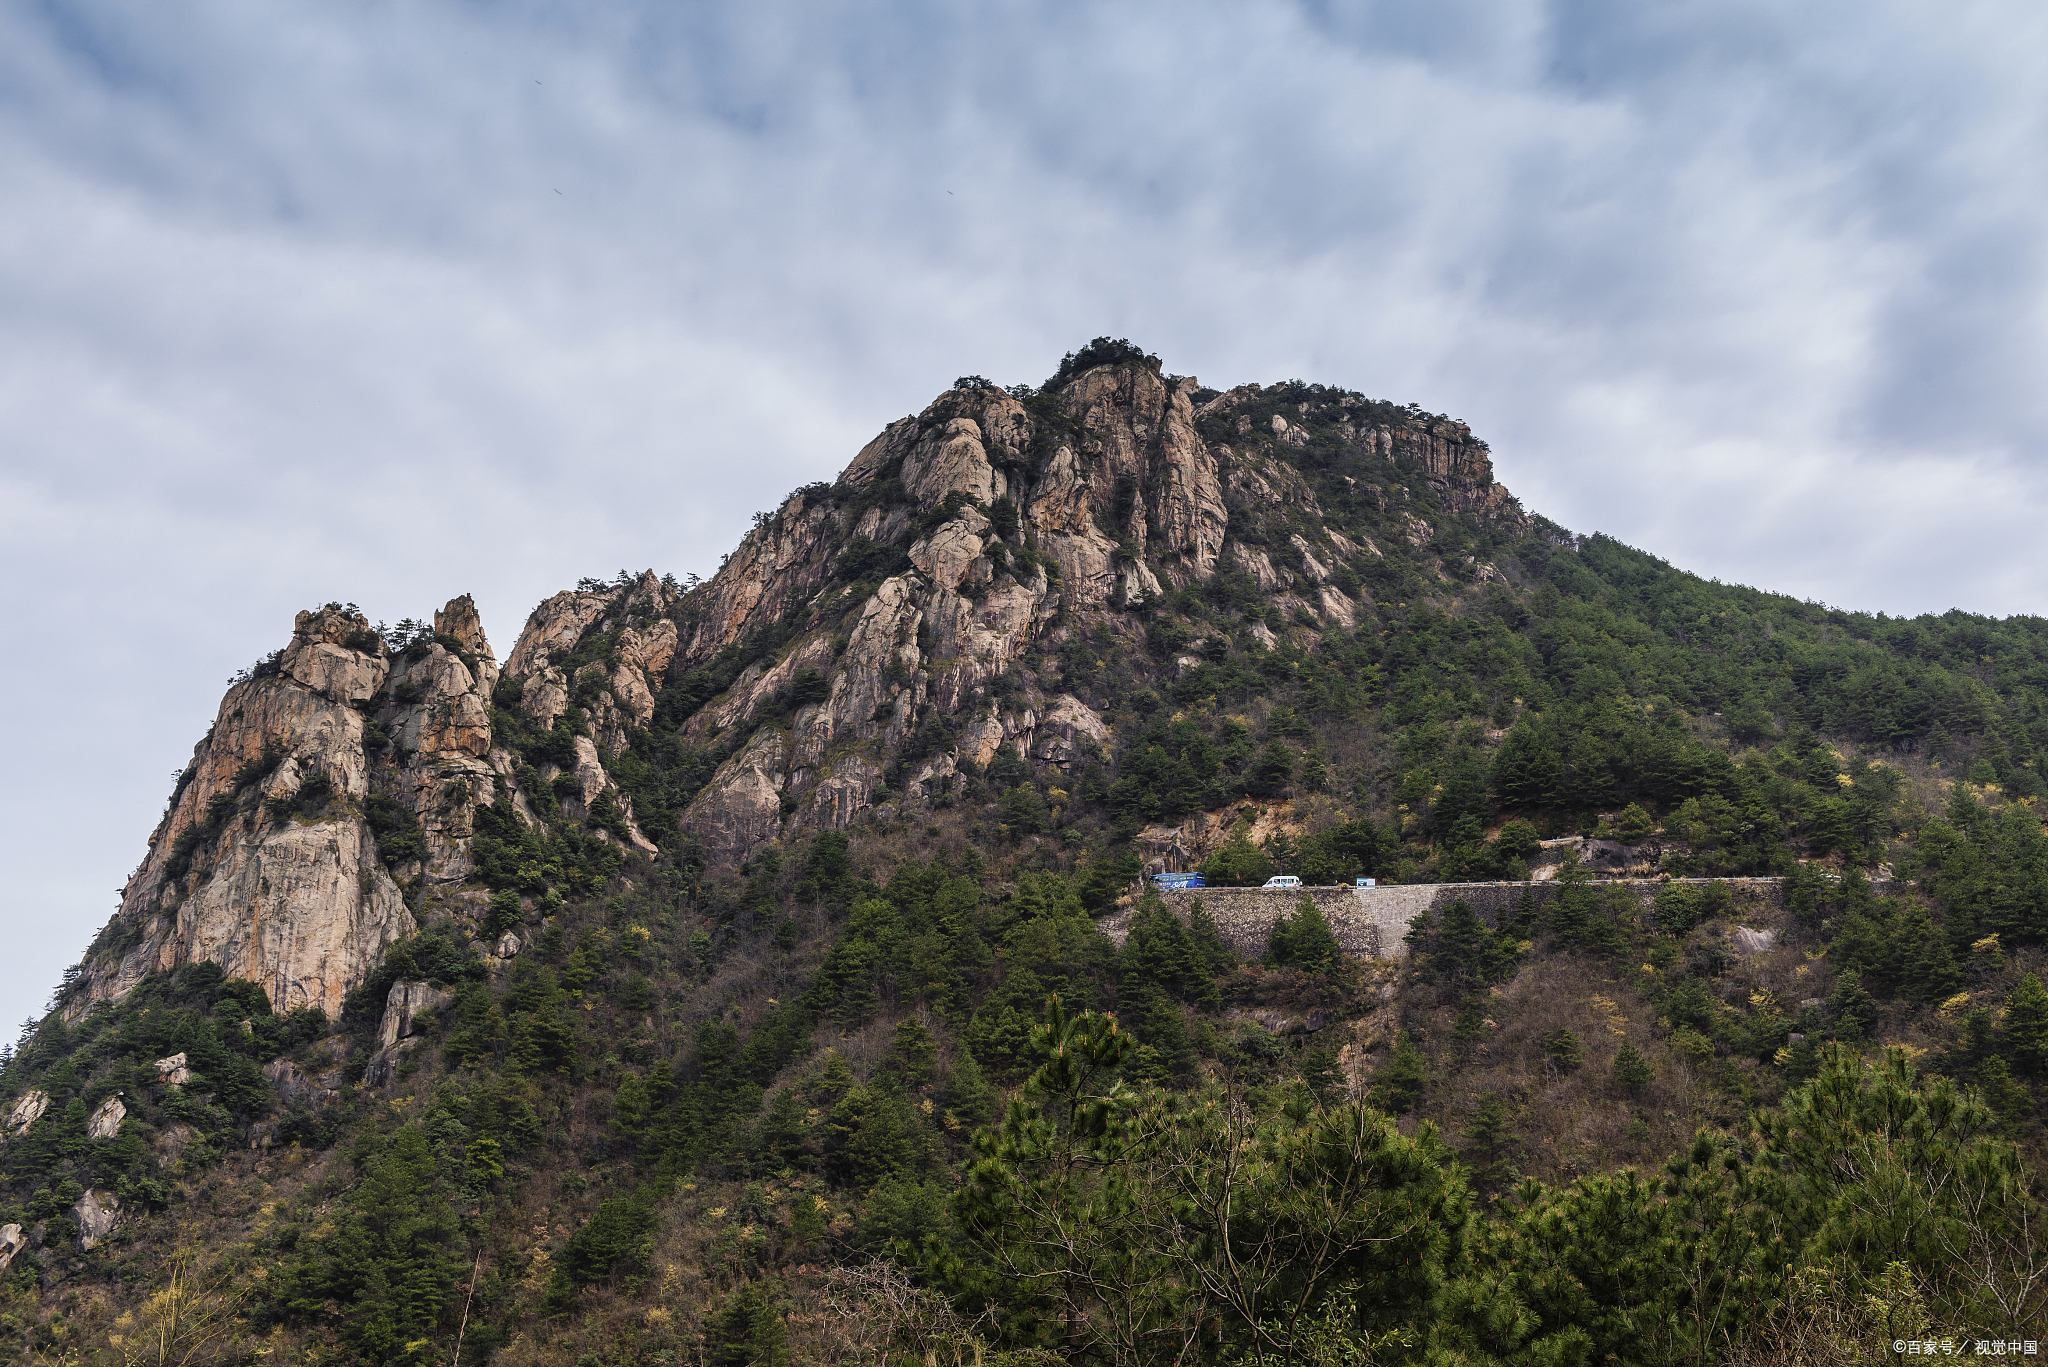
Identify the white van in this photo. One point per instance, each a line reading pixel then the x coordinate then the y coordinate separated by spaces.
pixel 1282 880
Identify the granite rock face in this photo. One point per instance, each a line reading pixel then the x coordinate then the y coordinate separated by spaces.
pixel 1021 524
pixel 264 864
pixel 406 1001
pixel 106 1120
pixel 267 863
pixel 96 1213
pixel 867 650
pixel 27 1111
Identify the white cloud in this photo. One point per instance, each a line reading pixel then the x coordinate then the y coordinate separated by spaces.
pixel 388 303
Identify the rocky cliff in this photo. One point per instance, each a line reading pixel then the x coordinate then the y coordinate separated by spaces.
pixel 956 594
pixel 969 544
pixel 335 792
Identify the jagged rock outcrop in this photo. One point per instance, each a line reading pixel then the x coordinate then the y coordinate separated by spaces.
pixel 106 1120
pixel 553 630
pixel 616 691
pixel 406 1001
pixel 383 1065
pixel 264 863
pixel 1069 731
pixel 27 1111
pixel 299 1087
pixel 12 1241
pixel 173 1070
pixel 96 1214
pixel 1019 523
pixel 437 713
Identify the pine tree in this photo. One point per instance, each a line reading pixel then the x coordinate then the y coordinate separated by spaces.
pixel 1400 1084
pixel 1280 942
pixel 1632 1072
pixel 748 1331
pixel 1569 914
pixel 1160 953
pixel 912 1055
pixel 1312 945
pixel 1207 940
pixel 1852 1008
pixel 968 1097
pixel 2001 1093
pixel 1238 863
pixel 833 1081
pixel 1492 1138
pixel 1157 1022
pixel 1923 968
pixel 392 1263
pixel 2026 1026
pixel 630 1105
pixel 1562 1050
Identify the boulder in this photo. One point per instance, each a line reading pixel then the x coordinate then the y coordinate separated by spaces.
pixel 319 659
pixel 173 1070
pixel 27 1111
pixel 544 695
pixel 298 1086
pixel 951 460
pixel 741 809
pixel 12 1241
pixel 1070 730
pixel 96 1213
pixel 461 622
pixel 1755 941
pixel 171 1142
pixel 106 1121
pixel 553 630
pixel 383 1065
pixel 949 556
pixel 406 1001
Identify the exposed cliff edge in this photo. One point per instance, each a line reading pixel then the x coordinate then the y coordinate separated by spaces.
pixel 264 863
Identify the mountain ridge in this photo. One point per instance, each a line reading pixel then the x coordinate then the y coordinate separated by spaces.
pixel 704 971
pixel 1104 498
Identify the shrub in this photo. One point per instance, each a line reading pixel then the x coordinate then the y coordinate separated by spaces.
pixel 1101 351
pixel 1632 1072
pixel 1562 1050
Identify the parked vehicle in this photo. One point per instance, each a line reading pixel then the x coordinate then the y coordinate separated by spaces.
pixel 1283 880
pixel 1173 882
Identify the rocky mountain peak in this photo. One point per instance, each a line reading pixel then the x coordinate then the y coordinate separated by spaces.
pixel 459 620
pixel 874 642
pixel 884 607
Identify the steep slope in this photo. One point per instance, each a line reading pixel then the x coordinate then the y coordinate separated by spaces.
pixel 626 1002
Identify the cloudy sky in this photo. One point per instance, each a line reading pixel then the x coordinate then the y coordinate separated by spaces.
pixel 385 303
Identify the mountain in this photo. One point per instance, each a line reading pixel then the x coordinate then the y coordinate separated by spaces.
pixel 626 1001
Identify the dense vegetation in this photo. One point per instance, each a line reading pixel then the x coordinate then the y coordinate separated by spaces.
pixel 894 1091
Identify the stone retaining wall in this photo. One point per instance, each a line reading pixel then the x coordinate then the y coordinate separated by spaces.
pixel 1371 922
